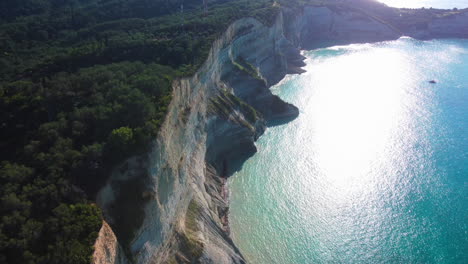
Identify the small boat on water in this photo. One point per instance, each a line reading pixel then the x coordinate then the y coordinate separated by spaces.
pixel 432 81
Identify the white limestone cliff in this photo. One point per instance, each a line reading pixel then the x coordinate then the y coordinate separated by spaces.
pixel 171 205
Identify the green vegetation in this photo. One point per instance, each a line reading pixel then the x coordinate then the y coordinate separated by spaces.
pixel 190 243
pixel 85 84
pixel 245 66
pixel 64 134
pixel 225 102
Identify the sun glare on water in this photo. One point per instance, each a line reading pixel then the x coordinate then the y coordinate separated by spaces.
pixel 369 115
pixel 372 170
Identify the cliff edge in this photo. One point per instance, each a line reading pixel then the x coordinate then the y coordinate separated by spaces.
pixel 170 206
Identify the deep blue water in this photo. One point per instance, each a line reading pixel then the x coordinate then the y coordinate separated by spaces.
pixel 375 168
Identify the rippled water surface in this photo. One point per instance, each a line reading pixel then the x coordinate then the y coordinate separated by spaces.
pixel 375 168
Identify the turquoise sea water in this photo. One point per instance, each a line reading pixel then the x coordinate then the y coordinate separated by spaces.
pixel 375 168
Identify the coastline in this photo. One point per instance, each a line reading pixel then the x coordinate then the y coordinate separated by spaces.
pixel 293 199
pixel 228 109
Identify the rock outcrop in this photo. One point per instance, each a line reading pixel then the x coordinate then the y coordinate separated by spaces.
pixel 171 205
pixel 107 248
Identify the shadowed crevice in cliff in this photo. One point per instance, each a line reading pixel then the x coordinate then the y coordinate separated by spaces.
pixel 232 132
pixel 125 201
pixel 127 209
pixel 253 90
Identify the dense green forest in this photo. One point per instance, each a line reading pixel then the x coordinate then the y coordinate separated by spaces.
pixel 84 84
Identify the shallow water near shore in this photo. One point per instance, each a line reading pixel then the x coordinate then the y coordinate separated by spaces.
pixel 375 168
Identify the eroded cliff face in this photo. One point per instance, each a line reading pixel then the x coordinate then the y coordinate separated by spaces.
pixel 171 205
pixel 450 26
pixel 320 27
pixel 208 133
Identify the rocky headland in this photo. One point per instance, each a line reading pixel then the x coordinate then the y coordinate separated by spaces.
pixel 171 205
